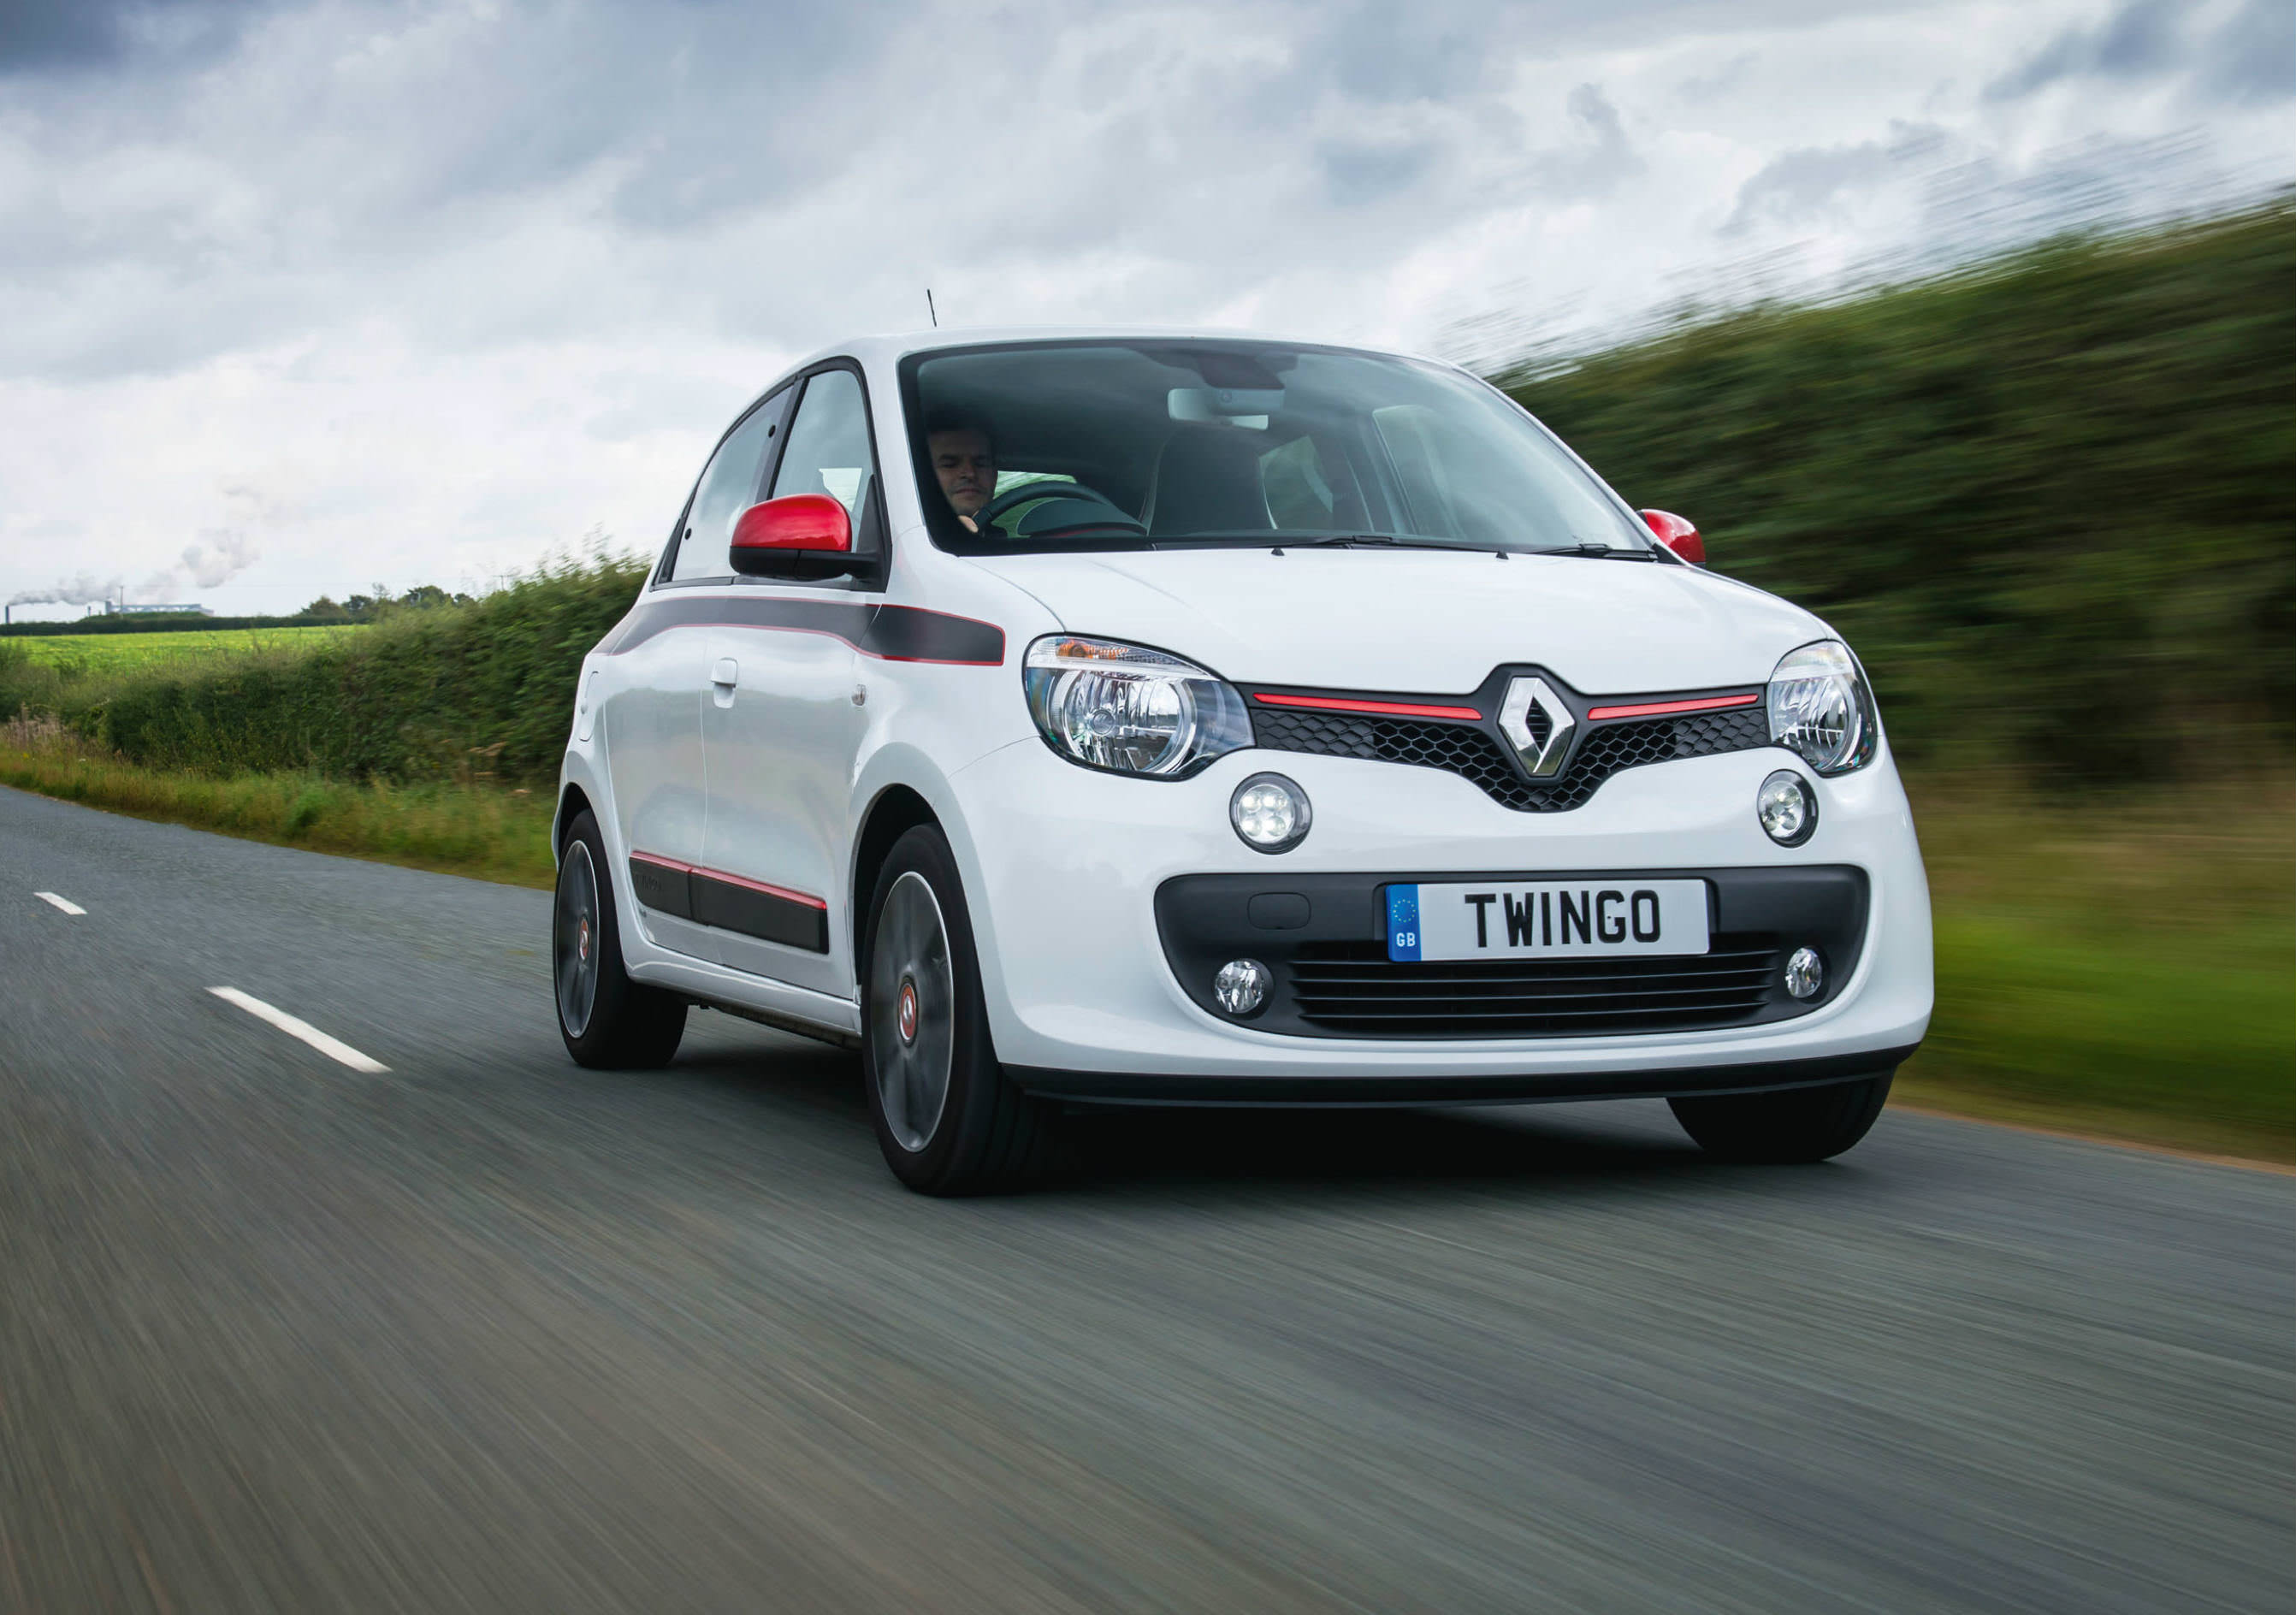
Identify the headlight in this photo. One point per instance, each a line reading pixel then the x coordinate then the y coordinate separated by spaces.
pixel 1129 709
pixel 1819 707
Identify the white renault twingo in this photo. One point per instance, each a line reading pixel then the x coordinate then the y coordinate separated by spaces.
pixel 1163 718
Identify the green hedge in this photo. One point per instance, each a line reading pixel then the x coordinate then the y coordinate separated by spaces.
pixel 455 692
pixel 2051 499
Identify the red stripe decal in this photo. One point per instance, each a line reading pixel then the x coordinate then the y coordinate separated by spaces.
pixel 696 870
pixel 1655 709
pixel 1397 708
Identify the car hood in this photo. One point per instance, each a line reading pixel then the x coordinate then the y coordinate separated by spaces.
pixel 1424 621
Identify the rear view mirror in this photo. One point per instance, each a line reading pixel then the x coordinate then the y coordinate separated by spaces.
pixel 1246 406
pixel 1677 535
pixel 795 536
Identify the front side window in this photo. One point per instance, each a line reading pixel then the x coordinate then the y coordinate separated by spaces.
pixel 1184 443
pixel 728 487
pixel 829 450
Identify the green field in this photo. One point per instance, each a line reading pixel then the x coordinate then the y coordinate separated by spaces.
pixel 108 653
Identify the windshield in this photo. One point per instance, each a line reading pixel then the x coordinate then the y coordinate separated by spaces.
pixel 1180 443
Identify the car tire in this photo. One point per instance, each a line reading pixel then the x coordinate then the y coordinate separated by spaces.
pixel 1794 1126
pixel 947 1119
pixel 609 1022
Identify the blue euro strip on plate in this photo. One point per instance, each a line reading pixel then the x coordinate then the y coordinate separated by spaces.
pixel 1403 922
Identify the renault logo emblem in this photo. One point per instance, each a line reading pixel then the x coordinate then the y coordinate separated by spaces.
pixel 1539 761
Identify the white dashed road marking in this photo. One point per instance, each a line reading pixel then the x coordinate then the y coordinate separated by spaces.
pixel 68 908
pixel 331 1047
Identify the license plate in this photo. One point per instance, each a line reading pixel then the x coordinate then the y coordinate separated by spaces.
pixel 1546 919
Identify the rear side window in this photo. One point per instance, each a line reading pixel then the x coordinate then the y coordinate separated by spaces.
pixel 728 488
pixel 829 450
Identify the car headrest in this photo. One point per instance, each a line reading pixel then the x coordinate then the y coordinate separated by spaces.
pixel 1208 481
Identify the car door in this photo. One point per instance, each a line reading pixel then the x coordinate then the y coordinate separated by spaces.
pixel 652 719
pixel 783 723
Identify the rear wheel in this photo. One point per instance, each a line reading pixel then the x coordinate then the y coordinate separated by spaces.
pixel 1796 1125
pixel 607 1019
pixel 949 1119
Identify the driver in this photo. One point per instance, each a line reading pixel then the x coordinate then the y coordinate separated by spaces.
pixel 964 458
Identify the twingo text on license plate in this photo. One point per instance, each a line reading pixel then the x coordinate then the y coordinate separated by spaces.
pixel 1546 919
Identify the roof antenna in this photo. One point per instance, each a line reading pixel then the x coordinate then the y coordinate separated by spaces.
pixel 930 310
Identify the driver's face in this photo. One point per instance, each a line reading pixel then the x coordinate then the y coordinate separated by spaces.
pixel 967 470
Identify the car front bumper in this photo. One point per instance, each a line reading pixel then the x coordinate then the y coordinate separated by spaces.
pixel 1065 866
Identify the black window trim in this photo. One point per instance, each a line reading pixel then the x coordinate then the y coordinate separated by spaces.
pixel 870 580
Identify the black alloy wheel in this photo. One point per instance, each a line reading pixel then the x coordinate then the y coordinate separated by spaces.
pixel 947 1119
pixel 609 1022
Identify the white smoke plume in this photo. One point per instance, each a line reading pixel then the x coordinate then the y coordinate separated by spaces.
pixel 220 555
pixel 86 589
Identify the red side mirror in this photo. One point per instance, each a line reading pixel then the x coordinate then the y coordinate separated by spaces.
pixel 1677 535
pixel 771 535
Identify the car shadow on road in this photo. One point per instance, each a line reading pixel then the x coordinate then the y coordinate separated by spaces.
pixel 1117 1148
pixel 1237 1147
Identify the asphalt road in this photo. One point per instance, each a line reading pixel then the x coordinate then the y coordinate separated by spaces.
pixel 485 1331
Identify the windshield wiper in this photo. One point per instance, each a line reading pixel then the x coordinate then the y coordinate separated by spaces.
pixel 1593 551
pixel 1277 539
pixel 1386 541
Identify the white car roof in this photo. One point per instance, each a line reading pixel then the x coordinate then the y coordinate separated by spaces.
pixel 890 347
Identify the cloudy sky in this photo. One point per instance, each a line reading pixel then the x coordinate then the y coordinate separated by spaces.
pixel 299 298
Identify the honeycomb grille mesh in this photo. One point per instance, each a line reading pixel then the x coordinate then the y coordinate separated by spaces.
pixel 1474 754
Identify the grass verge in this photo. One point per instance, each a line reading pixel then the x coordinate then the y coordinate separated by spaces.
pixel 2122 968
pixel 2119 966
pixel 488 832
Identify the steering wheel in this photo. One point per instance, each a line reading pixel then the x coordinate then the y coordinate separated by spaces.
pixel 1070 508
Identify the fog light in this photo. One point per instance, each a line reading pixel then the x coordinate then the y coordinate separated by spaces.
pixel 1270 813
pixel 1805 973
pixel 1787 807
pixel 1242 987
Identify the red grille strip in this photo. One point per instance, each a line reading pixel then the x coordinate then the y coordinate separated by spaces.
pixel 1658 709
pixel 1394 708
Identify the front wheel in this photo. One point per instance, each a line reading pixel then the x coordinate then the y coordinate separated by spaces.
pixel 1792 1126
pixel 607 1019
pixel 947 1119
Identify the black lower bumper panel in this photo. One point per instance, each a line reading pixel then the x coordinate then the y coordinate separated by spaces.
pixel 1129 1087
pixel 1321 938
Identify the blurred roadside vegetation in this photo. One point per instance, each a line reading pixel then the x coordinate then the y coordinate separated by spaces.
pixel 494 832
pixel 475 693
pixel 2119 962
pixel 2050 498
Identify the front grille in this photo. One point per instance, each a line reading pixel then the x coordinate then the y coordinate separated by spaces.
pixel 1352 988
pixel 1472 753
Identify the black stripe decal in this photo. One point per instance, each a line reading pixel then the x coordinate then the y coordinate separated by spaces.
pixel 708 898
pixel 760 914
pixel 663 885
pixel 890 632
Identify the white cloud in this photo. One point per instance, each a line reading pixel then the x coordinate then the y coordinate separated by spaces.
pixel 411 292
